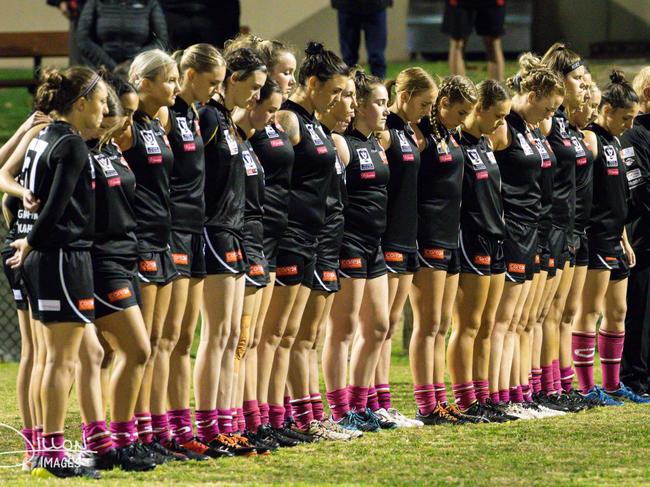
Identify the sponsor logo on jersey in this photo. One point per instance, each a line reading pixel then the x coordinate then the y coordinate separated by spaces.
pixel 186 133
pixel 551 262
pixel 86 304
pixel 634 178
pixel 249 163
pixel 447 157
pixel 189 147
pixel 119 294
pixel 482 260
pixel 321 149
pixel 517 268
pixel 234 256
pixel 354 263
pixel 537 259
pixel 154 159
pixel 150 142
pixel 476 160
pixel 611 259
pixel 114 182
pixel 627 154
pixel 289 270
pixel 256 270
pixel 581 161
pixel 482 175
pixel 610 156
pixel 408 157
pixel 368 175
pixel 277 143
pixel 148 266
pixel 49 305
pixel 577 146
pixel 181 259
pixel 612 172
pixel 393 256
pixel 329 276
pixel 18 294
pixel 435 254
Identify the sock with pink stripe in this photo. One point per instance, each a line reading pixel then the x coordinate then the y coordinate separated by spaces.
pixel 583 347
pixel 557 376
pixel 482 390
pixel 207 425
pixel 504 396
pixel 160 426
pixel 122 433
pixel 610 348
pixel 358 398
pixel 52 446
pixel 373 399
pixel 566 377
pixel 287 407
pixel 441 392
pixel 494 397
pixel 224 418
pixel 516 395
pixel 338 401
pixel 536 380
pixel 97 438
pixel 317 407
pixel 27 439
pixel 264 413
pixel 37 438
pixel 527 392
pixel 383 395
pixel 303 414
pixel 144 428
pixel 241 422
pixel 425 398
pixel 464 394
pixel 180 425
pixel 276 415
pixel 548 383
pixel 252 415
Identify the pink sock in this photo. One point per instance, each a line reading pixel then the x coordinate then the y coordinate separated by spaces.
pixel 338 401
pixel 180 425
pixel 494 397
pixel 537 380
pixel 441 392
pixel 241 422
pixel 504 396
pixel 37 438
pixel 373 399
pixel 287 407
pixel 224 419
pixel 548 383
pixel 97 438
pixel 122 433
pixel 557 376
pixel 464 394
pixel 143 425
pixel 207 425
pixel 303 414
pixel 160 426
pixel 53 446
pixel 610 348
pixel 583 346
pixel 425 398
pixel 27 439
pixel 276 415
pixel 516 395
pixel 527 392
pixel 317 407
pixel 482 390
pixel 264 413
pixel 383 395
pixel 358 398
pixel 566 377
pixel 252 415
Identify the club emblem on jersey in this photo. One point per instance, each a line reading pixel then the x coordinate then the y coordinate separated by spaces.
pixel 314 136
pixel 365 161
pixel 106 166
pixel 186 133
pixel 546 159
pixel 577 146
pixel 610 157
pixel 528 150
pixel 476 160
pixel 150 142
pixel 338 166
pixel 232 143
pixel 403 142
pixel 270 132
pixel 249 163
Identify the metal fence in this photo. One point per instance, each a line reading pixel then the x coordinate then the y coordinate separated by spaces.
pixel 9 330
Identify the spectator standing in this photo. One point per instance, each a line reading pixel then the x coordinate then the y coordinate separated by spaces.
pixel 111 32
pixel 368 16
pixel 487 17
pixel 71 9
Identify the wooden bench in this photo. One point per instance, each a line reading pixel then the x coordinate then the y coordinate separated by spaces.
pixel 35 45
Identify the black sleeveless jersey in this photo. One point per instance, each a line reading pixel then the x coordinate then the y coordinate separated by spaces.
pixel 255 196
pixel 275 152
pixel 564 178
pixel 115 221
pixel 520 165
pixel 312 171
pixel 584 179
pixel 225 174
pixel 440 184
pixel 609 210
pixel 549 163
pixel 187 181
pixel 404 162
pixel 151 160
pixel 337 193
pixel 366 178
pixel 482 207
pixel 59 171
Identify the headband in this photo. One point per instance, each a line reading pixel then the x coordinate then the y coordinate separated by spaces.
pixel 573 66
pixel 87 89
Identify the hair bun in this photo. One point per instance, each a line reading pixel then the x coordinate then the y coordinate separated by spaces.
pixel 52 78
pixel 617 77
pixel 314 48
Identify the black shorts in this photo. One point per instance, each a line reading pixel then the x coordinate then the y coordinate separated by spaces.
pixel 356 262
pixel 15 280
pixel 582 250
pixel 519 250
pixel 480 255
pixel 432 257
pixel 557 252
pixel 294 268
pixel 257 273
pixel 614 260
pixel 325 279
pixel 271 249
pixel 60 285
pixel 116 284
pixel 156 267
pixel 400 262
pixel 188 253
pixel 224 253
pixel 462 16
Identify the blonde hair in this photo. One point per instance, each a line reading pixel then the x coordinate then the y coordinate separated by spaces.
pixel 641 81
pixel 148 65
pixel 561 59
pixel 202 58
pixel 413 81
pixel 267 49
pixel 457 89
pixel 534 76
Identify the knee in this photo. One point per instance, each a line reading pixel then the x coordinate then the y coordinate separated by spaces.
pixel 140 354
pixel 183 345
pixel 485 331
pixel 617 313
pixel 92 356
pixel 378 332
pixel 108 359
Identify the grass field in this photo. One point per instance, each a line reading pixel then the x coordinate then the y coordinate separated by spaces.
pixel 602 447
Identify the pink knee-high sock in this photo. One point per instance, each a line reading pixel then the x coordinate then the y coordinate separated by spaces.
pixel 537 380
pixel 302 414
pixel 241 422
pixel 358 398
pixel 482 390
pixel 52 446
pixel 566 377
pixel 495 397
pixel 264 413
pixel 180 425
pixel 425 398
pixel 287 407
pixel 338 401
pixel 504 396
pixel 548 381
pixel 610 348
pixel 517 394
pixel 583 348
pixel 160 426
pixel 384 397
pixel 441 392
pixel 373 399
pixel 122 433
pixel 557 376
pixel 224 419
pixel 37 438
pixel 207 425
pixel 276 415
pixel 252 415
pixel 464 394
pixel 27 440
pixel 317 407
pixel 97 438
pixel 144 427
pixel 527 392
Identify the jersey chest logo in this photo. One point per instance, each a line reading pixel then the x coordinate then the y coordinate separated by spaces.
pixel 249 163
pixel 528 150
pixel 150 142
pixel 611 160
pixel 105 164
pixel 444 152
pixel 403 142
pixel 270 132
pixel 232 143
pixel 314 136
pixel 563 133
pixel 338 166
pixel 546 159
pixel 476 160
pixel 627 154
pixel 184 129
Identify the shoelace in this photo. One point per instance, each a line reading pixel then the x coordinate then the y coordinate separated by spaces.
pixel 241 440
pixel 443 413
pixel 454 410
pixel 226 440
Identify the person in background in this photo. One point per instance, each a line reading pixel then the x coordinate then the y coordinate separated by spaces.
pixel 487 17
pixel 111 32
pixel 71 10
pixel 369 16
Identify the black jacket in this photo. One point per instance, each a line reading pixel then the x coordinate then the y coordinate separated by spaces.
pixel 113 31
pixel 367 6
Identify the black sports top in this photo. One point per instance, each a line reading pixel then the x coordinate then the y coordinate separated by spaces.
pixel 366 177
pixel 549 163
pixel 225 174
pixel 151 160
pixel 520 165
pixel 482 207
pixel 59 171
pixel 311 175
pixel 255 198
pixel 404 162
pixel 115 221
pixel 275 152
pixel 584 180
pixel 564 178
pixel 440 184
pixel 609 210
pixel 187 181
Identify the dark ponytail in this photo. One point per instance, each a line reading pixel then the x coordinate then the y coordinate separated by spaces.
pixel 270 87
pixel 321 63
pixel 619 93
pixel 243 62
pixel 58 90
